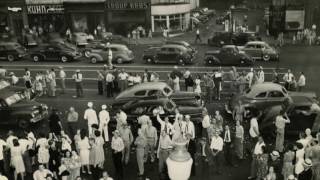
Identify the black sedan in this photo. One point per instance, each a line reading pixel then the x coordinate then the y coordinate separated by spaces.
pixel 55 51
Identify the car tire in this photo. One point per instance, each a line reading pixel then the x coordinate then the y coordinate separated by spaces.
pixel 36 58
pixel 242 62
pixel 181 62
pixel 119 60
pixel 23 124
pixel 87 53
pixel 149 60
pixel 64 59
pixel 10 57
pixel 93 60
pixel 266 57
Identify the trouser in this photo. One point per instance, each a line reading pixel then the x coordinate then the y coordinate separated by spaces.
pixel 2 166
pixel 109 89
pixel 90 129
pixel 79 89
pixel 100 87
pixel 218 90
pixel 163 155
pixel 116 157
pixel 279 140
pixel 300 88
pixel 217 159
pixel 72 127
pixel 238 146
pixel 150 146
pixel 254 164
pixel 105 132
pixel 126 153
pixel 209 94
pixel 228 153
pixel 140 160
pixel 198 38
pixel 63 85
pixel 122 85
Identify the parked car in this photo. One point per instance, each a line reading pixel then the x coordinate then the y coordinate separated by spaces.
pixel 135 109
pixel 185 44
pixel 169 53
pixel 55 51
pixel 12 51
pixel 153 90
pixel 80 38
pixel 261 50
pixel 120 54
pixel 30 41
pixel 228 55
pixel 222 38
pixel 16 109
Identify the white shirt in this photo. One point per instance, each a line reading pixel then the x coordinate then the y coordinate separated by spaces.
pixel 302 80
pixel 41 175
pixel 216 143
pixel 189 129
pixel 2 143
pixel 137 79
pixel 117 144
pixel 123 76
pixel 2 177
pixel 198 32
pixel 9 140
pixel 260 76
pixel 249 78
pixel 109 77
pixel 165 126
pixel 165 142
pixel 258 148
pixel 77 77
pixel 91 116
pixel 206 121
pixel 288 77
pixel 104 117
pixel 24 144
pixel 179 126
pixel 254 124
pixel 227 136
pixel 62 74
pixel 121 119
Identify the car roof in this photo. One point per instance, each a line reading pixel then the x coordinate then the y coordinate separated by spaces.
pixel 118 45
pixel 256 42
pixel 264 87
pixel 9 43
pixel 229 46
pixel 144 86
pixel 184 43
pixel 302 100
pixel 174 46
pixel 4 93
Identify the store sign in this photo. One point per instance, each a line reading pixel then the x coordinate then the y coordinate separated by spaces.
pixel 43 2
pixel 127 5
pixel 295 19
pixel 45 9
pixel 14 9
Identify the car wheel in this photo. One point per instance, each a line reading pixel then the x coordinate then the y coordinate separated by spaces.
pixel 22 123
pixel 36 58
pixel 64 59
pixel 181 62
pixel 242 62
pixel 266 57
pixel 119 60
pixel 93 60
pixel 86 53
pixel 210 61
pixel 10 57
pixel 149 60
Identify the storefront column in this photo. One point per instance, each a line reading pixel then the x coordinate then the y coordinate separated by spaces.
pixel 25 17
pixel 168 22
pixel 152 23
pixel 181 22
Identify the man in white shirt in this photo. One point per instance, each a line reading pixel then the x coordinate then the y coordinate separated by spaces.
pixel 91 116
pixel 109 84
pixel 261 75
pixel 117 147
pixel 152 138
pixel 164 149
pixel 123 77
pixel 41 173
pixel 216 150
pixel 254 128
pixel 127 137
pixel 249 77
pixel 288 79
pixel 77 77
pixel 258 150
pixel 189 127
pixel 104 121
pixel 62 76
pixel 165 125
pixel 301 82
pixel 205 123
pixel 179 127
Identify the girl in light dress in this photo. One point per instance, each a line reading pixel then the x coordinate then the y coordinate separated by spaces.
pixel 43 150
pixel 288 157
pixel 84 148
pixel 271 174
pixel 17 160
pixel 98 150
pixel 197 84
pixel 176 83
pixel 37 84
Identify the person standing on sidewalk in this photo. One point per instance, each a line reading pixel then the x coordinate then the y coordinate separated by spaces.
pixel 104 118
pixel 109 84
pixel 152 138
pixel 198 38
pixel 301 82
pixel 117 147
pixel 62 76
pixel 78 80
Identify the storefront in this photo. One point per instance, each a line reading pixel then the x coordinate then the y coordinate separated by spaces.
pixel 84 15
pixel 13 16
pixel 46 14
pixel 175 17
pixel 122 16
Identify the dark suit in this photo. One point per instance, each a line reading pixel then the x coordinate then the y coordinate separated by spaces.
pixel 192 149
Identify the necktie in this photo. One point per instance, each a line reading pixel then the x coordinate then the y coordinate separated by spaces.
pixel 187 128
pixel 77 76
pixel 165 128
pixel 227 137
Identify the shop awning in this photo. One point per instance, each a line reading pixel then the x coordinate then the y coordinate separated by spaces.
pixel 84 1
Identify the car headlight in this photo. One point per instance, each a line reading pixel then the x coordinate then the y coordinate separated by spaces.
pixel 44 106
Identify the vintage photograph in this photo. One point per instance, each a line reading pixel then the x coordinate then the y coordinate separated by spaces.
pixel 159 89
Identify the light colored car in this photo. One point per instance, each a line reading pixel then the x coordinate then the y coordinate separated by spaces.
pixel 80 38
pixel 120 54
pixel 260 50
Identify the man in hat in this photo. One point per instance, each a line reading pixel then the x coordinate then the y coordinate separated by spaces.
pixel 91 116
pixel 127 137
pixel 152 138
pixel 306 174
pixel 260 75
pixel 104 118
pixel 275 162
pixel 62 76
pixel 117 147
pixel 216 150
pixel 77 77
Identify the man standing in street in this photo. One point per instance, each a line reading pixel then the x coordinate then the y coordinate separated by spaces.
pixel 91 116
pixel 77 77
pixel 256 152
pixel 104 121
pixel 123 77
pixel 216 150
pixel 301 82
pixel 127 137
pixel 164 148
pixel 217 78
pixel 109 84
pixel 62 76
pixel 261 75
pixel 109 56
pixel 72 119
pixel 280 123
pixel 249 77
pixel 227 146
pixel 152 137
pixel 117 147
pixel 198 38
pixel 288 79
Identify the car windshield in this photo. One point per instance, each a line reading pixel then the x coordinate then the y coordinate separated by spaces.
pixel 167 91
pixel 170 106
pixel 14 98
pixel 68 45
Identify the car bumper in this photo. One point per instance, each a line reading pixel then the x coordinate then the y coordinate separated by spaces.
pixel 40 117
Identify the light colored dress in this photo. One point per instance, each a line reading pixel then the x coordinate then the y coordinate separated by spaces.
pixel 16 159
pixel 43 152
pixel 75 167
pixel 288 166
pixel 176 84
pixel 299 161
pixel 99 152
pixel 84 148
pixel 198 87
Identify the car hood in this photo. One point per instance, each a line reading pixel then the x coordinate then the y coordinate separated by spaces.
pixel 310 95
pixel 183 94
pixel 190 110
pixel 26 105
pixel 212 52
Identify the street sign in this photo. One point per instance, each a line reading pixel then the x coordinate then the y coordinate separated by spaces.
pixel 14 9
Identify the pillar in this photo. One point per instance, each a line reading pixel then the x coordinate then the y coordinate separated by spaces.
pixel 168 21
pixel 152 23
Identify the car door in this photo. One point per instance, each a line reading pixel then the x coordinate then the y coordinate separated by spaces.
pixel 3 53
pixel 52 53
pixel 259 51
pixel 260 100
pixel 162 55
pixel 275 98
pixel 227 56
pixel 250 50
pixel 172 55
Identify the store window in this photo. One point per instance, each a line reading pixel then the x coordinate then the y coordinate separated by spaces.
pixel 160 22
pixel 80 23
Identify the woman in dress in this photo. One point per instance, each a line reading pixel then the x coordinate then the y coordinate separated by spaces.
pixel 98 150
pixel 197 84
pixel 299 159
pixel 43 150
pixel 141 144
pixel 262 165
pixel 84 148
pixel 288 157
pixel 17 160
pixel 176 83
pixel 271 174
pixel 76 165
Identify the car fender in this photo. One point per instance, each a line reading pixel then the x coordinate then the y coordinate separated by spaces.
pixel 213 58
pixel 21 114
pixel 98 56
pixel 38 54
